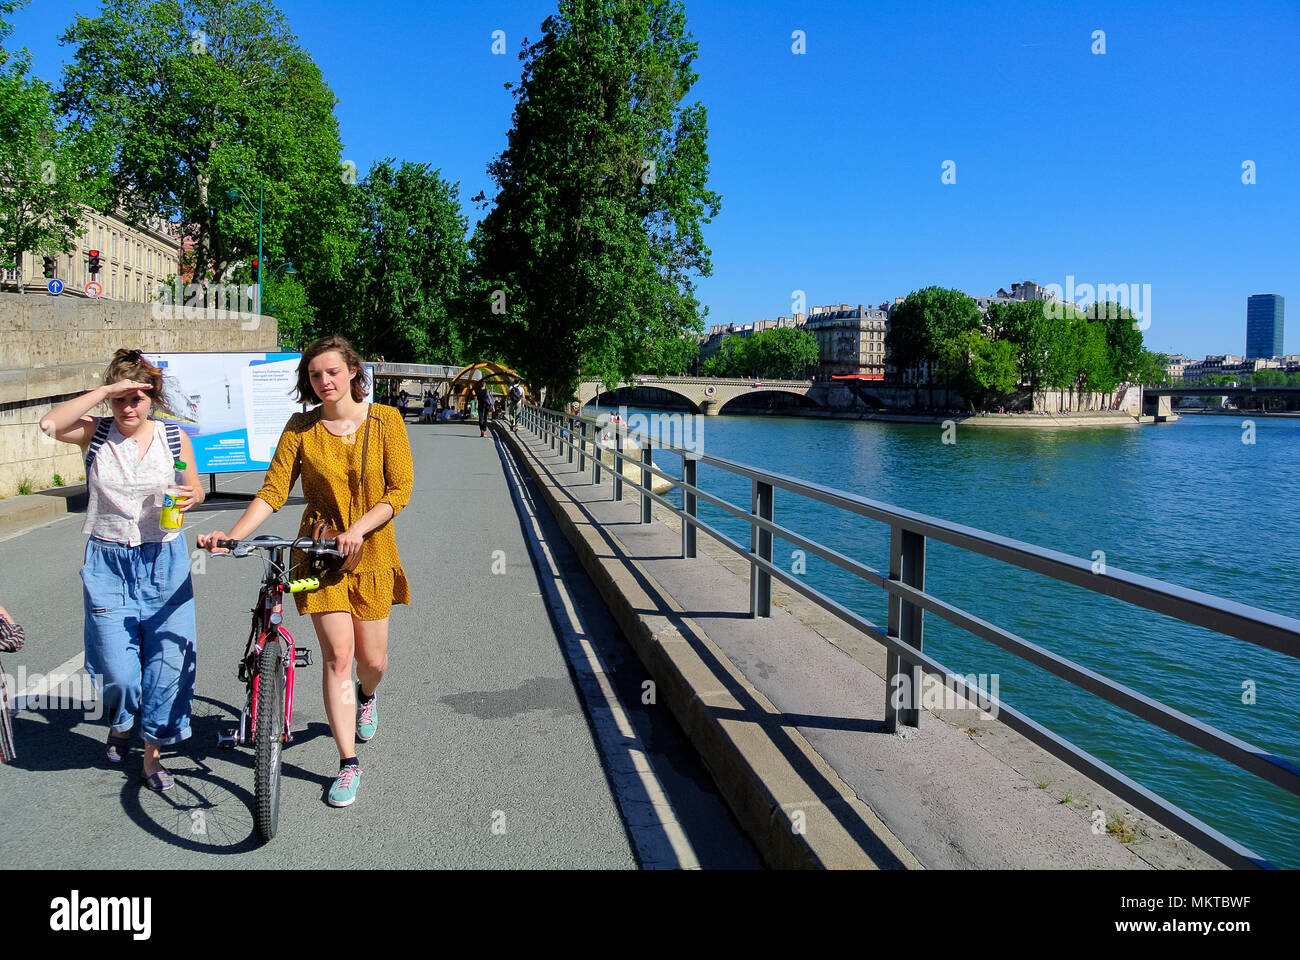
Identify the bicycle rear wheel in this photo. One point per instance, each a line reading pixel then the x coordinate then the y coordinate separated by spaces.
pixel 268 739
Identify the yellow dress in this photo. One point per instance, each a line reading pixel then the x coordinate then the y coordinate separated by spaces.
pixel 330 468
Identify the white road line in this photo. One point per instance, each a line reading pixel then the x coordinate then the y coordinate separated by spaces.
pixel 40 687
pixel 610 720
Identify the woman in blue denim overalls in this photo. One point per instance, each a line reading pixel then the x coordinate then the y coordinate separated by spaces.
pixel 139 622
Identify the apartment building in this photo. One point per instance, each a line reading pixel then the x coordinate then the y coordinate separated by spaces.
pixel 133 261
pixel 849 340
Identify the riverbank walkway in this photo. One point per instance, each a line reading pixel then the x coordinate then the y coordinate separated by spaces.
pixel 517 727
pixel 788 713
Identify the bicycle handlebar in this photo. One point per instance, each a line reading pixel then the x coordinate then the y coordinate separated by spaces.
pixel 305 544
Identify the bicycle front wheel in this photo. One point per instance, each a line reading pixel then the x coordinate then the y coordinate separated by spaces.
pixel 268 738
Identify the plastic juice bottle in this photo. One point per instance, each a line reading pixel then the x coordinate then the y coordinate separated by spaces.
pixel 171 517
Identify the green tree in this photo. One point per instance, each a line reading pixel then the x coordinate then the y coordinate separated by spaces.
pixel 727 360
pixel 1151 368
pixel 1123 338
pixel 979 366
pixel 199 99
pixel 1061 334
pixel 667 357
pixel 996 366
pixel 296 322
pixel 921 323
pixel 43 180
pixel 412 264
pixel 1025 324
pixel 1095 373
pixel 782 353
pixel 588 251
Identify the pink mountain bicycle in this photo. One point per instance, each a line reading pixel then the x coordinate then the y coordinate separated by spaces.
pixel 267 669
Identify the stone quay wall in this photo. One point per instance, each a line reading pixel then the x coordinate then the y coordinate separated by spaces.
pixel 53 348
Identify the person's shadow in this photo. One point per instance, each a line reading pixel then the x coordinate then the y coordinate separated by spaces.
pixel 203 812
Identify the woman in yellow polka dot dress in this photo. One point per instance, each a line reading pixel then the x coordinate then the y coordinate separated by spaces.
pixel 350 610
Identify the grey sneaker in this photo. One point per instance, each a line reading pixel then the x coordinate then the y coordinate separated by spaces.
pixel 367 718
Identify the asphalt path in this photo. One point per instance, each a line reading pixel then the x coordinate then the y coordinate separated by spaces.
pixel 514 731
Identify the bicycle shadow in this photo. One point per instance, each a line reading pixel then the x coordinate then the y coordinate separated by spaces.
pixel 206 811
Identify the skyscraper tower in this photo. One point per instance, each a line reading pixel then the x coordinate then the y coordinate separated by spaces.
pixel 1264 315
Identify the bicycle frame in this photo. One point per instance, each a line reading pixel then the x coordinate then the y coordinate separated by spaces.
pixel 271 609
pixel 268 627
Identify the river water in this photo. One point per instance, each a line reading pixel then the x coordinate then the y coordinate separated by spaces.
pixel 1188 503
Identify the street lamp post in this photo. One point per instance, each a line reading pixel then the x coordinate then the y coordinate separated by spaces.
pixel 288 272
pixel 261 193
pixel 261 189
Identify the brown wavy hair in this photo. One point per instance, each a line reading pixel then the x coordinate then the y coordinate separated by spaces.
pixel 360 383
pixel 132 365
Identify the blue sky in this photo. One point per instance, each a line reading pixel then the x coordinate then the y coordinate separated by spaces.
pixel 1123 167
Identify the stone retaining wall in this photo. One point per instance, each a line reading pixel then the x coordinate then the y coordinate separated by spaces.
pixel 52 348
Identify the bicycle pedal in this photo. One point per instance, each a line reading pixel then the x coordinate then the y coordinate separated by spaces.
pixel 228 738
pixel 302 657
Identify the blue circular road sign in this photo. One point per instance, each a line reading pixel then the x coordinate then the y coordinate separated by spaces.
pixel 55 287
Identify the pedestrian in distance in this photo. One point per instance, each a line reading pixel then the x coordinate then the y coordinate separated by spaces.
pixel 516 397
pixel 355 462
pixel 140 633
pixel 484 397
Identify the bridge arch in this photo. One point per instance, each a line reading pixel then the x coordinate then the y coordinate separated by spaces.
pixel 633 395
pixel 706 395
pixel 762 399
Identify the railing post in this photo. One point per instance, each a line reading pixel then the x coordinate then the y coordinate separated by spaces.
pixel 582 445
pixel 595 459
pixel 618 461
pixel 552 431
pixel 690 474
pixel 906 621
pixel 647 457
pixel 760 544
pixel 570 421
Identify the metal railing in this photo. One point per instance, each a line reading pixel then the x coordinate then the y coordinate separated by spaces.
pixel 906 661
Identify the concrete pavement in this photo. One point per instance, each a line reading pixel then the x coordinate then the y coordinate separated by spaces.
pixel 491 751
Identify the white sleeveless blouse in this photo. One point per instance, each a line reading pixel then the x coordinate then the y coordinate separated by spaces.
pixel 125 498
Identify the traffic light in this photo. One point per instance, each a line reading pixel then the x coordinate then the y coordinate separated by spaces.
pixel 94 262
pixel 51 267
pixel 257 265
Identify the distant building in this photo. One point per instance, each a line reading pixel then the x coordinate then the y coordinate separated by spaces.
pixel 849 341
pixel 1175 364
pixel 1264 321
pixel 133 261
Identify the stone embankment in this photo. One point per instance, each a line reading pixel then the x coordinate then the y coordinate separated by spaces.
pixel 53 348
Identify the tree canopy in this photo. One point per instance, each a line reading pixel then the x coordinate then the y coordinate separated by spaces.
pixel 409 276
pixel 205 108
pixel 584 263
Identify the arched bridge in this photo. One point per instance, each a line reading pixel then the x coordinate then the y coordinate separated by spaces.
pixel 707 394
